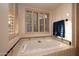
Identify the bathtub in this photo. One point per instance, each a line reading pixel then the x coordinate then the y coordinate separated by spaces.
pixel 40 47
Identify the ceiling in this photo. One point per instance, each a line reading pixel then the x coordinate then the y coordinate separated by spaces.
pixel 46 6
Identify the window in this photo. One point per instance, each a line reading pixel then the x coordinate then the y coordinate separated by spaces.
pixel 46 22
pixel 41 22
pixel 28 21
pixel 36 22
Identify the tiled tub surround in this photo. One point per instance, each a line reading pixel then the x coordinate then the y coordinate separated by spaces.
pixel 45 46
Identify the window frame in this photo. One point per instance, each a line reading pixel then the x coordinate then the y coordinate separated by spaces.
pixel 38 12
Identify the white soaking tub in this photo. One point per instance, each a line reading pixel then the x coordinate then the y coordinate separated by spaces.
pixel 40 47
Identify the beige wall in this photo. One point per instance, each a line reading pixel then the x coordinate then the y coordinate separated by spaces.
pixel 5 43
pixel 74 23
pixel 64 11
pixel 3 26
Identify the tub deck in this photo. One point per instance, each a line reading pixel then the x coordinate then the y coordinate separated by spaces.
pixel 42 47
